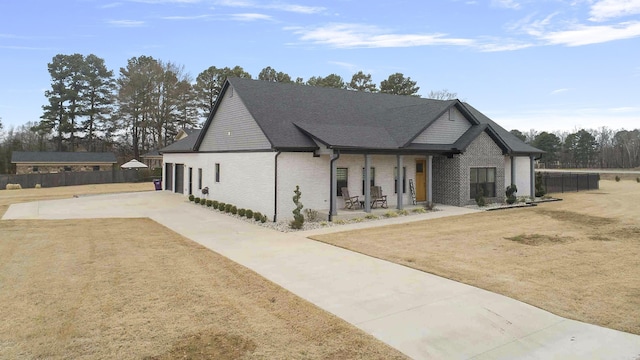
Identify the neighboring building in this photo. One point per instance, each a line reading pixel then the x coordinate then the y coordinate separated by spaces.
pixel 34 162
pixel 153 159
pixel 263 138
pixel 174 174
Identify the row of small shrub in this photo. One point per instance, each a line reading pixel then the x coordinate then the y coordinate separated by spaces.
pixel 229 208
pixel 617 178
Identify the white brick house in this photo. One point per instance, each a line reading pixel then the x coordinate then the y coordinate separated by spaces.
pixel 263 138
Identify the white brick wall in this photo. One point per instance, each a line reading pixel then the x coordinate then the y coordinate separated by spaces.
pixel 523 174
pixel 246 179
pixel 311 174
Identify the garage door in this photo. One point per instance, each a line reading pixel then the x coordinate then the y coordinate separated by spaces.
pixel 168 174
pixel 180 178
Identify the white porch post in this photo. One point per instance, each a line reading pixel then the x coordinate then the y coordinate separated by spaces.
pixel 430 178
pixel 399 183
pixel 367 183
pixel 533 177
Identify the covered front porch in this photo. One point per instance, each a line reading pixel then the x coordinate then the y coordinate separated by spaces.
pixel 409 188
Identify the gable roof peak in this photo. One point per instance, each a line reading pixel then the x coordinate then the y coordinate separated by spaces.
pixel 291 116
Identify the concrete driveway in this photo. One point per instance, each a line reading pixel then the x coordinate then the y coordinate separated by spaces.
pixel 422 315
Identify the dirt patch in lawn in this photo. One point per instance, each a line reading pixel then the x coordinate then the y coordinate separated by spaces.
pixel 131 289
pixel 578 258
pixel 538 239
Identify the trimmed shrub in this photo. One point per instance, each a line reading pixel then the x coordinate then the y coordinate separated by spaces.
pixel 197 200
pixel 257 215
pixel 191 197
pixel 234 210
pixel 249 214
pixel 227 208
pixel 480 198
pixel 311 215
pixel 390 214
pixel 221 206
pixel 511 191
pixel 617 178
pixel 263 219
pixel 209 203
pixel 638 179
pixel 203 201
pixel 241 212
pixel 539 186
pixel 215 204
pixel 298 218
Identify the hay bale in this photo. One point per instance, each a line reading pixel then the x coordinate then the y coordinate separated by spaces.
pixel 38 186
pixel 14 187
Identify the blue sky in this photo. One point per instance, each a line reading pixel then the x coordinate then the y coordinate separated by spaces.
pixel 544 65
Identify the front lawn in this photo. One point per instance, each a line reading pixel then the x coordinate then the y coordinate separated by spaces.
pixel 578 258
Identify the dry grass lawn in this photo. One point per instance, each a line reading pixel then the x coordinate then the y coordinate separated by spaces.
pixel 578 258
pixel 130 288
pixel 8 197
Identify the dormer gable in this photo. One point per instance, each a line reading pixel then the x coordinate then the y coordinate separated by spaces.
pixel 446 129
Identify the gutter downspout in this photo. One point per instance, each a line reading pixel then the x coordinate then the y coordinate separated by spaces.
pixel 275 188
pixel 513 170
pixel 332 194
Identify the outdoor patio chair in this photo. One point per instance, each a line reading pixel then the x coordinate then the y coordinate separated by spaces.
pixel 377 198
pixel 350 202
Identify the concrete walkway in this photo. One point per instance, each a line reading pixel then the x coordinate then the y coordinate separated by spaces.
pixel 422 315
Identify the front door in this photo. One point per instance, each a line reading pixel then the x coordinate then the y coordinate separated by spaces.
pixel 421 180
pixel 190 181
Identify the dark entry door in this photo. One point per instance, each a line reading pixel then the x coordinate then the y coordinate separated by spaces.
pixel 168 174
pixel 190 181
pixel 179 178
pixel 421 180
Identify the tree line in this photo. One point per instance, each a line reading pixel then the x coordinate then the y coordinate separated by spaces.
pixel 586 148
pixel 142 108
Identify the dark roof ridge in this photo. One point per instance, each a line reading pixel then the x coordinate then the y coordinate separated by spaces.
pixel 295 116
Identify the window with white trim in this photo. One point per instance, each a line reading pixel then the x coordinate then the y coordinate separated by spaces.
pixel 372 178
pixel 482 180
pixel 342 180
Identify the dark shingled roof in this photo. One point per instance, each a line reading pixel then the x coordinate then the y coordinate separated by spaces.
pixel 292 116
pixel 152 153
pixel 62 157
pixel 184 145
pixel 514 144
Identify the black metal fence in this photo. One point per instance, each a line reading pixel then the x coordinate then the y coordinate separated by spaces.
pixel 559 182
pixel 70 178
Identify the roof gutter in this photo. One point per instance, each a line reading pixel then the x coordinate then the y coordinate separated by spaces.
pixel 332 191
